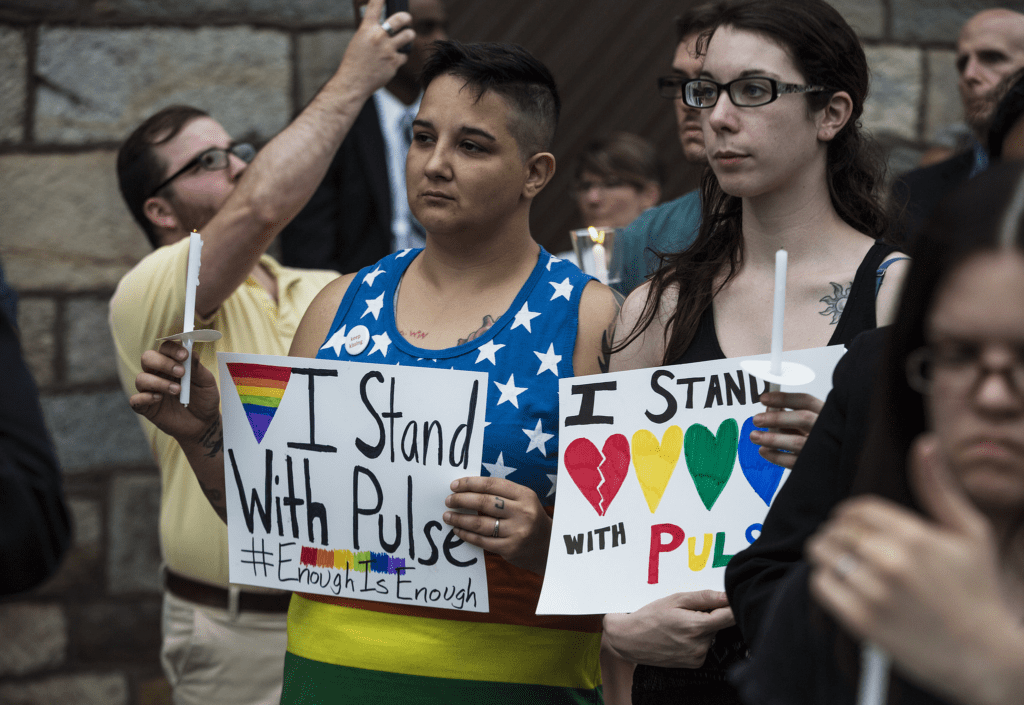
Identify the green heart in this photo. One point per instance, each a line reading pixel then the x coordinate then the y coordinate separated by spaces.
pixel 710 459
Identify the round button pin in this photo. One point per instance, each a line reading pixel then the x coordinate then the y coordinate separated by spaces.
pixel 358 339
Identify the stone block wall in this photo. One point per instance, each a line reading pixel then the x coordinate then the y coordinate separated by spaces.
pixel 76 76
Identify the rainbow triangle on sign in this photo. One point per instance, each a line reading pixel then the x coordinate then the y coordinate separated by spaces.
pixel 260 388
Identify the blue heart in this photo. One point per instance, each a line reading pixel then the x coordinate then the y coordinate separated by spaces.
pixel 763 475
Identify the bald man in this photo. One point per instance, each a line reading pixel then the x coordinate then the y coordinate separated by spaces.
pixel 990 48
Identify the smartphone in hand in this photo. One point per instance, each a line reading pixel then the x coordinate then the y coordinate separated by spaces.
pixel 390 8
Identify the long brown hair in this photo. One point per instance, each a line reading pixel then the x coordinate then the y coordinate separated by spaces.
pixel 825 49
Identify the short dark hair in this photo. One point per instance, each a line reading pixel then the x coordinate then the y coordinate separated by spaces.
pixel 139 169
pixel 511 72
pixel 1009 110
pixel 623 156
pixel 699 18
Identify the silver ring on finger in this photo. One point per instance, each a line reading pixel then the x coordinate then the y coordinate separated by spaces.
pixel 386 26
pixel 497 523
pixel 845 565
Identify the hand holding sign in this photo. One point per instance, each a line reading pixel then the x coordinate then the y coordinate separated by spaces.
pixel 674 631
pixel 510 520
pixel 928 592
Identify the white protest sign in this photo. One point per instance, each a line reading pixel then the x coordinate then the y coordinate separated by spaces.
pixel 336 475
pixel 659 484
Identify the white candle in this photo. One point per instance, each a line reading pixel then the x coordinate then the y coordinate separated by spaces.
pixel 779 311
pixel 600 266
pixel 874 675
pixel 195 247
pixel 600 259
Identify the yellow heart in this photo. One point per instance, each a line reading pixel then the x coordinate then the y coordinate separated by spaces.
pixel 654 462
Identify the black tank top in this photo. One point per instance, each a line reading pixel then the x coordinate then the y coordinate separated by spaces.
pixel 707 685
pixel 858 314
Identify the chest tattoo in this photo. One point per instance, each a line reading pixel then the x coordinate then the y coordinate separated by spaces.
pixel 836 303
pixel 484 327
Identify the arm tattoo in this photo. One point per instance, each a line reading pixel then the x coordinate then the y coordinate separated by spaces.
pixel 604 359
pixel 213 439
pixel 835 304
pixel 485 326
pixel 499 503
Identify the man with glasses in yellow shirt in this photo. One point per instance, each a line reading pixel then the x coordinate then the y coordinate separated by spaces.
pixel 181 171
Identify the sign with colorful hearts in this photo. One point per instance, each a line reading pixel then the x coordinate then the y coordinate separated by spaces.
pixel 336 475
pixel 659 484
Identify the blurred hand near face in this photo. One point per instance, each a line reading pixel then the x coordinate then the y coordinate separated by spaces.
pixel 929 592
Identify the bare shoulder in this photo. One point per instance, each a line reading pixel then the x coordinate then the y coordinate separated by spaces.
pixel 316 322
pixel 892 286
pixel 599 306
pixel 635 347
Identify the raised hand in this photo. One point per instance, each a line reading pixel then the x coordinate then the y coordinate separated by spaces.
pixel 372 56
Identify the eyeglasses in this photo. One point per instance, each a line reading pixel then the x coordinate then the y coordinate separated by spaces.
pixel 747 92
pixel 212 159
pixel 958 368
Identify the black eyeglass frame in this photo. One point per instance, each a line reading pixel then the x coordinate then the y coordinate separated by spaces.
pixel 920 370
pixel 678 87
pixel 243 150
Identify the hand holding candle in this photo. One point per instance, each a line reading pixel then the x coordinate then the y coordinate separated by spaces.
pixel 774 370
pixel 189 335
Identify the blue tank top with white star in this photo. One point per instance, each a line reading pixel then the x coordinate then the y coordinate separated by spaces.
pixel 555 657
pixel 524 352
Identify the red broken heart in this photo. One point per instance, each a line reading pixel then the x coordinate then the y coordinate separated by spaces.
pixel 584 463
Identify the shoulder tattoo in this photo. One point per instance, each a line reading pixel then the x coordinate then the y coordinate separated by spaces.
pixel 836 303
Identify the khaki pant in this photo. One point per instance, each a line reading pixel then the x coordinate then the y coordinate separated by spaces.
pixel 212 657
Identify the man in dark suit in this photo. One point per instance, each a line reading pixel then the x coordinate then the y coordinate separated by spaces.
pixel 360 211
pixel 990 48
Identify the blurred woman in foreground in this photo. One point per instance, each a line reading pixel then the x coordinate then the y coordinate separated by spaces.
pixel 930 564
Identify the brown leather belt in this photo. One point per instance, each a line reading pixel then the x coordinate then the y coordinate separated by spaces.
pixel 213 596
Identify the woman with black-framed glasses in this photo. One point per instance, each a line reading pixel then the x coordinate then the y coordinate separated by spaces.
pixel 781 91
pixel 927 560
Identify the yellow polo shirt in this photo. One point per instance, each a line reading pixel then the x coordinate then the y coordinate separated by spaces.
pixel 149 303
